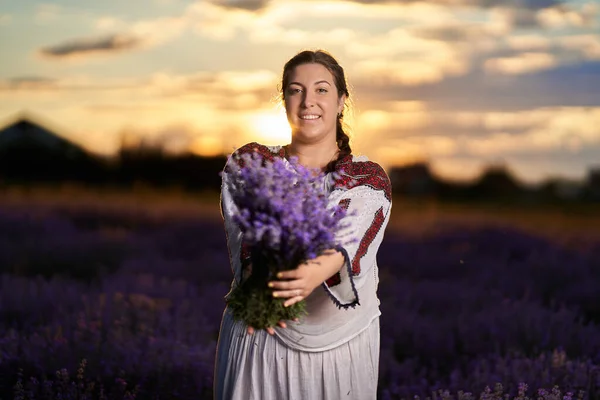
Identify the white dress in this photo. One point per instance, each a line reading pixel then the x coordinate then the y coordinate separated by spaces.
pixel 333 352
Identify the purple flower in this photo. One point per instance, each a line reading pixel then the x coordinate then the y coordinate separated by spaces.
pixel 286 219
pixel 284 212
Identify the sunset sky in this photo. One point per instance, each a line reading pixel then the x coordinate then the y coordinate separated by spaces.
pixel 459 83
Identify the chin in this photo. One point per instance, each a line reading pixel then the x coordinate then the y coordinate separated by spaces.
pixel 304 136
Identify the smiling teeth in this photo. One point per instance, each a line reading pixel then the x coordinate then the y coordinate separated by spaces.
pixel 309 116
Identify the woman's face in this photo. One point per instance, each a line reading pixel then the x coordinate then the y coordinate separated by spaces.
pixel 312 103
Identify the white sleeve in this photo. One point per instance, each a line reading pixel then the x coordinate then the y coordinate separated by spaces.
pixel 368 215
pixel 232 231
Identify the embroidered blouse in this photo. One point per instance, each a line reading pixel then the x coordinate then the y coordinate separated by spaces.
pixel 347 302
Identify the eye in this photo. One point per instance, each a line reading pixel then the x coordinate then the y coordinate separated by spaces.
pixel 294 90
pixel 322 90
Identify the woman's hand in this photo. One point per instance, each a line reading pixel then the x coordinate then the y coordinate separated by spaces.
pixel 246 272
pixel 296 284
pixel 270 329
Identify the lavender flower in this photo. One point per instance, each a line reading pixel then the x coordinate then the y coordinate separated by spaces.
pixel 286 219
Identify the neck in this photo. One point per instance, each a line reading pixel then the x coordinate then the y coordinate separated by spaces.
pixel 312 155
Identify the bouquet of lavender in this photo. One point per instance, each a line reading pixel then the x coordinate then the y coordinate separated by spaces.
pixel 286 220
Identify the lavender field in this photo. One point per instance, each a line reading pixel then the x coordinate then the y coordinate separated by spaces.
pixel 135 288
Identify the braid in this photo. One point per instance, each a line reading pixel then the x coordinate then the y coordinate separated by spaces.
pixel 343 143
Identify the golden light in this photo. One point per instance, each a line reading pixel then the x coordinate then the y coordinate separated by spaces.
pixel 207 146
pixel 270 128
pixel 374 120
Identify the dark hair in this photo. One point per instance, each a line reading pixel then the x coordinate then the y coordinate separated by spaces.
pixel 326 60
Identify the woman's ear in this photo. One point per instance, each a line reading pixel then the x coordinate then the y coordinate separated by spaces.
pixel 341 102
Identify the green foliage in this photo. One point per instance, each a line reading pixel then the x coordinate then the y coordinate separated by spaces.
pixel 253 303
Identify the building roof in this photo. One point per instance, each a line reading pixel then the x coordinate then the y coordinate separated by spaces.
pixel 25 130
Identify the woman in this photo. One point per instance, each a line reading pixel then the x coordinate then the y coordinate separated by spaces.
pixel 333 352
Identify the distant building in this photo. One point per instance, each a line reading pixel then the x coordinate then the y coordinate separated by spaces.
pixel 30 151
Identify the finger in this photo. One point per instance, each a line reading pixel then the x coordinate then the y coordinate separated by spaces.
pixel 270 330
pixel 283 285
pixel 286 285
pixel 293 301
pixel 250 330
pixel 282 324
pixel 286 294
pixel 291 274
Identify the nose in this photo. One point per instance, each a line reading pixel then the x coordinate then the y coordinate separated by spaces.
pixel 308 100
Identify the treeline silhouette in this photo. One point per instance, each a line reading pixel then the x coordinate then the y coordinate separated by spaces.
pixel 26 164
pixel 31 153
pixel 151 166
pixel 496 183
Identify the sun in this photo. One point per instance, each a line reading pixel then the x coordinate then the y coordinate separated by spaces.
pixel 270 128
pixel 206 146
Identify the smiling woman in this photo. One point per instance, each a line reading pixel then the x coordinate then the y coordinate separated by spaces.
pixel 271 128
pixel 333 351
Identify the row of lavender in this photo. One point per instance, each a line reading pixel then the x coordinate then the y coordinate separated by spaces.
pixel 140 299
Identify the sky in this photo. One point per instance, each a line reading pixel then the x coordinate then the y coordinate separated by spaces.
pixel 460 84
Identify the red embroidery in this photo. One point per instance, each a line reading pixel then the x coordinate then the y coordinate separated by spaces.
pixel 344 203
pixel 254 147
pixel 336 279
pixel 367 240
pixel 365 173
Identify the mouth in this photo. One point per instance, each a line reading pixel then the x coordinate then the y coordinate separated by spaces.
pixel 309 117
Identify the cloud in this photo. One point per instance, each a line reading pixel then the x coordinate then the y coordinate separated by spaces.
pixel 400 119
pixel 459 32
pixel 558 18
pixel 413 131
pixel 521 64
pixel 430 43
pixel 285 22
pixel 381 71
pixel 224 23
pixel 524 18
pixel 28 83
pixel 414 149
pixel 529 42
pixel 527 53
pixel 561 128
pixel 250 5
pixel 78 47
pixel 401 57
pixel 223 90
pixel 218 23
pixel 555 15
pixel 526 4
pixel 544 14
pixel 141 35
pixel 586 45
pixel 298 37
